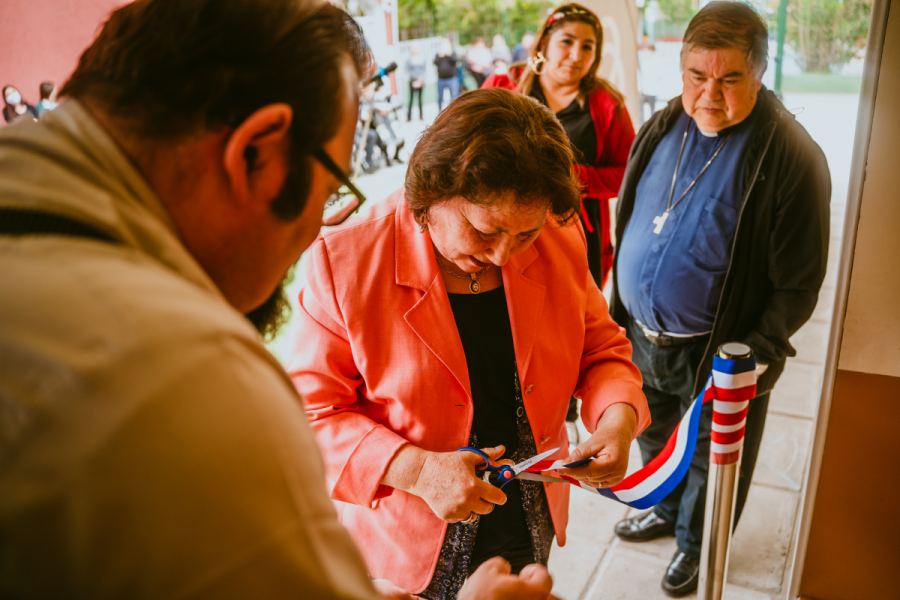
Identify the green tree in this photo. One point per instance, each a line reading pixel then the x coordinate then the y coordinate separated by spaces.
pixel 826 34
pixel 470 18
pixel 678 11
pixel 419 16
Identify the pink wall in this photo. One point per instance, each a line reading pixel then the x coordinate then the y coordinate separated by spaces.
pixel 41 40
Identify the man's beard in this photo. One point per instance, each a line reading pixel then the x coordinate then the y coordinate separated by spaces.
pixel 275 312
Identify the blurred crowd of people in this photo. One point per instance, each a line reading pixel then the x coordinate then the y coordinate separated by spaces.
pixel 478 60
pixel 16 106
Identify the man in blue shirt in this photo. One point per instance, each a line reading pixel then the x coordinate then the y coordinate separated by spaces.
pixel 723 225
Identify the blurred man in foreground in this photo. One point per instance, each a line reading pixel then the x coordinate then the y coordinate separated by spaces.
pixel 150 447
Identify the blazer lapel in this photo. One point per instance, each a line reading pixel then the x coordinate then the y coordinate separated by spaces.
pixel 431 318
pixel 525 300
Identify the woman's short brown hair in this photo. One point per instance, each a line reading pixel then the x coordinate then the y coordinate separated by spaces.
pixel 490 146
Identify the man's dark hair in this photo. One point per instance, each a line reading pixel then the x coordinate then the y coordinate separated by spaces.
pixel 47 88
pixel 728 24
pixel 171 68
pixel 490 146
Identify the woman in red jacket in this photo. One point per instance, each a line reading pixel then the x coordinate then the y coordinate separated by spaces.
pixel 561 74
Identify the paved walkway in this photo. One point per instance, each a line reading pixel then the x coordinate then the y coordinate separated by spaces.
pixel 594 564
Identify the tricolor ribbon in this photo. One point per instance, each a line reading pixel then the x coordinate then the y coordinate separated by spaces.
pixel 730 387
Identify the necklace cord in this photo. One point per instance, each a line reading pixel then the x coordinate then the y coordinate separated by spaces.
pixel 669 205
pixel 473 276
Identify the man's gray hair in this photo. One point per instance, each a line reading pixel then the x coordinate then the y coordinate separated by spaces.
pixel 729 24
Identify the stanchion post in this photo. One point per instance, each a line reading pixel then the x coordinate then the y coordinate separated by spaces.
pixel 721 493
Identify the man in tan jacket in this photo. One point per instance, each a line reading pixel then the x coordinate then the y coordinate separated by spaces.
pixel 150 447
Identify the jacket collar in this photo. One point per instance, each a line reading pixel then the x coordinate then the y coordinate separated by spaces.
pixel 431 318
pixel 415 265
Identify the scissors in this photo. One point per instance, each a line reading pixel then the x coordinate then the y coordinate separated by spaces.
pixel 505 471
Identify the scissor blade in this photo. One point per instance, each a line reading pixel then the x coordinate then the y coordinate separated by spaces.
pixel 522 466
pixel 538 477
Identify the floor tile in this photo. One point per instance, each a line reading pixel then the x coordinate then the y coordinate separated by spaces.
pixel 798 390
pixel 733 592
pixel 634 458
pixel 837 224
pixel 573 566
pixel 783 452
pixel 831 274
pixel 630 575
pixel 825 306
pixel 761 542
pixel 662 548
pixel 834 253
pixel 811 342
pixel 592 516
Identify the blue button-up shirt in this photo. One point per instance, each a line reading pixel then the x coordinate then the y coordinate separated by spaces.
pixel 672 281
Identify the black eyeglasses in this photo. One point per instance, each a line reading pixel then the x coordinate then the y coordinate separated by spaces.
pixel 346 200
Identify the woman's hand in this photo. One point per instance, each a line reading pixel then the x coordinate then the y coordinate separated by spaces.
pixel 493 581
pixel 448 483
pixel 390 590
pixel 609 446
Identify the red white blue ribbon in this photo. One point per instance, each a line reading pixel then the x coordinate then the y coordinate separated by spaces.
pixel 730 387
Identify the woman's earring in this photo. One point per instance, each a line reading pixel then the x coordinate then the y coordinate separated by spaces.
pixel 423 223
pixel 536 62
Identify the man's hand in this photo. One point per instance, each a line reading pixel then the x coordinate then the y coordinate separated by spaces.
pixel 390 590
pixel 493 581
pixel 448 483
pixel 609 445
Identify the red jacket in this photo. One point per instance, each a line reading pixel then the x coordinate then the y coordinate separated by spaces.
pixel 602 181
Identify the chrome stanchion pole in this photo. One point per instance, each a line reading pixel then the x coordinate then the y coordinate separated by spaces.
pixel 721 493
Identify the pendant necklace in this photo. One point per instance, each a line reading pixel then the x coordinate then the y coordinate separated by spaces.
pixel 474 286
pixel 661 219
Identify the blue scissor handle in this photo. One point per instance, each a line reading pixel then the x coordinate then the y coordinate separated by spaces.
pixel 500 474
pixel 578 463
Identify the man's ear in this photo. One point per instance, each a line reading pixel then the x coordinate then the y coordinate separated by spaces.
pixel 759 75
pixel 256 154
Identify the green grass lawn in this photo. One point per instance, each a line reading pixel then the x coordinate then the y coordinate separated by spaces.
pixel 821 83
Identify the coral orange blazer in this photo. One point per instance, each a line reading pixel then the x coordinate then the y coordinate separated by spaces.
pixel 379 363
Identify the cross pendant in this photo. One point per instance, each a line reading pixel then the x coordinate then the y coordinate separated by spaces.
pixel 659 222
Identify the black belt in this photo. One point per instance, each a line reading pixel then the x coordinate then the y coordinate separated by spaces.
pixel 659 338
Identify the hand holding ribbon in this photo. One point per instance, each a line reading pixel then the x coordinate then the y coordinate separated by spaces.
pixel 609 445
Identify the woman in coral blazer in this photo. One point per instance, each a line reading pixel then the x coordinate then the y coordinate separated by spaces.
pixel 462 312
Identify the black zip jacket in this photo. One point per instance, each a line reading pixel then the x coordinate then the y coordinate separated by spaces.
pixel 780 249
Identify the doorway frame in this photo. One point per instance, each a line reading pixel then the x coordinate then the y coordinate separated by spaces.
pixel 865 114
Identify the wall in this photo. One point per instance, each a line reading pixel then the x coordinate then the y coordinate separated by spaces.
pixel 619 62
pixel 853 550
pixel 41 40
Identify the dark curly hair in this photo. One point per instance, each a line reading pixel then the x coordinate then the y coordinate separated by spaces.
pixel 489 146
